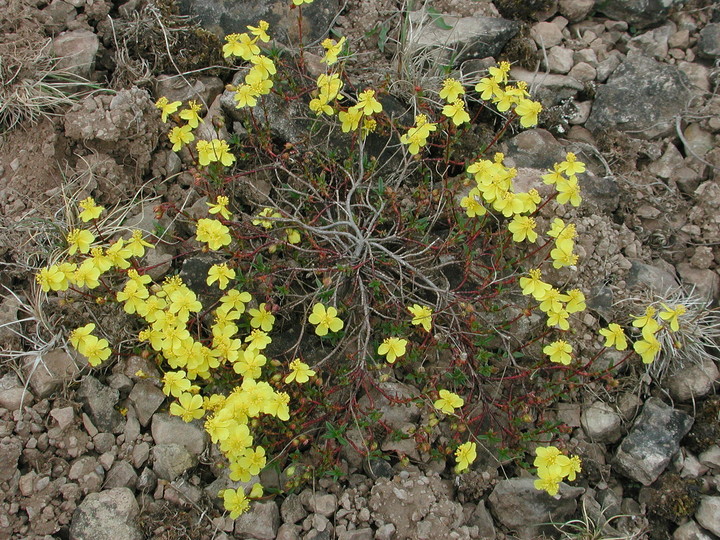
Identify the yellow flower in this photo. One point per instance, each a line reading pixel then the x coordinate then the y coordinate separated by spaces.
pixel 257 340
pixel 332 49
pixel 235 502
pixel 263 66
pixel 87 275
pixel 392 348
pixel 647 322
pixel 500 72
pixel 422 315
pixel 293 236
pixel 261 318
pixel 79 335
pixel 465 454
pixel 325 319
pixel 241 45
pixel 95 350
pixel 220 273
pixel 451 90
pixel 571 166
pixel 266 213
pixel 671 315
pixel 472 205
pixel 236 300
pixel 546 456
pixel 192 114
pixel 559 352
pixel 448 402
pixel 488 88
pixel 533 285
pixel 523 227
pixel 301 2
pixel 90 210
pixel 614 335
pixel 136 245
pixel 569 191
pixel 528 111
pixel 548 481
pixel 166 108
pixel 212 232
pixel 175 383
pixel 260 31
pixel 189 408
pixel 576 301
pixel 180 136
pixel 456 112
pixel 245 96
pixel 79 240
pixel 300 372
pixel 553 177
pixel 559 318
pixel 215 150
pixel 648 349
pixel 350 119
pixel 220 207
pixel 367 103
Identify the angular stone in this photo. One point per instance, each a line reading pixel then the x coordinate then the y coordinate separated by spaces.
pixel 261 521
pixel 708 514
pixel 394 402
pixel 12 393
pixel 693 381
pixel 641 98
pixel 99 402
pixel 601 423
pixel 146 398
pixel 76 51
pixel 10 451
pixel 121 474
pixel 709 41
pixel 49 372
pixel 171 429
pixel 108 515
pixel 639 13
pixel 522 508
pixel 652 442
pixel 171 460
pixel 550 89
pixel 691 531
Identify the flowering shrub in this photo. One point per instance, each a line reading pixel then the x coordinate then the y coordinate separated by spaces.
pixel 366 267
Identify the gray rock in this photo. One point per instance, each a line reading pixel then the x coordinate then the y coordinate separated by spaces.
pixel 522 508
pixel 639 13
pixel 652 441
pixel 201 89
pixel 103 442
pixel 653 43
pixel 261 521
pixel 642 97
pixel 600 193
pixel 575 10
pixel 550 89
pixel 601 423
pixel 655 278
pixel 49 372
pixel 224 18
pixel 99 402
pixel 585 73
pixel 292 510
pixel 171 460
pixel 691 531
pixel 10 450
pixel 396 413
pixel 324 504
pixel 560 59
pixel 76 51
pixel 709 41
pixel 171 429
pixel 12 393
pixel 699 142
pixel 108 515
pixel 668 162
pixel 711 457
pixel 482 519
pixel 546 34
pixel 146 398
pixel 708 514
pixel 469 37
pixel 121 474
pixel 9 310
pixel 693 381
pixel 534 148
pixel 147 481
pixel 288 532
pixel 704 283
pixel 356 534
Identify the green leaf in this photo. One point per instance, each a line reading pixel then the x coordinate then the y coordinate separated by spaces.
pixel 437 19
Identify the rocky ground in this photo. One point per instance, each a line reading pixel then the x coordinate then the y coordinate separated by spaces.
pixel 630 86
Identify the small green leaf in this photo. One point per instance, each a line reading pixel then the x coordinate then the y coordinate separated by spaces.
pixel 437 19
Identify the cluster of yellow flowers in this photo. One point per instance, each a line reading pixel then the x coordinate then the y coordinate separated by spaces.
pixel 552 467
pixel 96 350
pixel 257 80
pixel 496 89
pixel 648 347
pixel 416 136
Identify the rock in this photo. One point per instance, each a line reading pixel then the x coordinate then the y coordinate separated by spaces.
pixel 322 503
pixel 57 15
pixel 288 532
pixel 261 521
pixel 146 398
pixel 482 519
pixel 711 457
pixel 652 441
pixel 12 393
pixel 698 142
pixel 691 531
pixel 356 534
pixel 10 451
pixel 49 372
pixel 704 283
pixel 171 429
pixel 147 481
pixel 469 37
pixel 583 72
pixel 692 468
pixel 121 474
pixel 709 41
pixel 653 43
pixel 654 278
pixel 575 10
pixel 546 35
pixel 225 18
pixel 708 515
pixel 76 51
pixel 550 89
pixel 131 367
pixel 668 162
pixel 522 508
pixel 103 442
pixel 639 13
pixel 292 510
pixel 601 423
pixel 99 402
pixel 693 381
pixel 560 59
pixel 396 413
pixel 108 515
pixel 171 460
pixel 201 89
pixel 601 194
pixel 641 97
pixel 534 148
pixel 9 311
